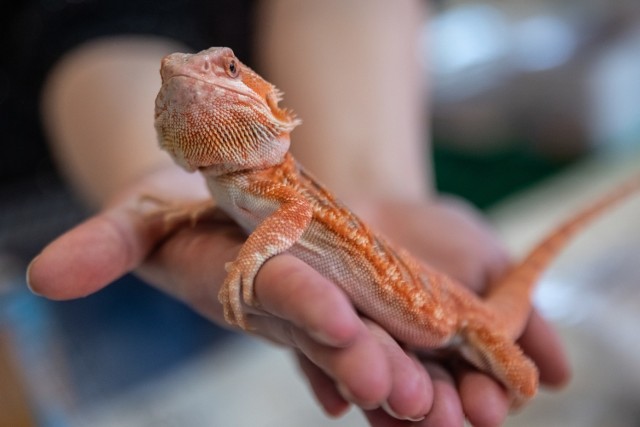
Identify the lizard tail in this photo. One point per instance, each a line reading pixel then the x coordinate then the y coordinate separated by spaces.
pixel 511 295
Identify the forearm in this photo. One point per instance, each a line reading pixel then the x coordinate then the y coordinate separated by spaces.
pixel 351 72
pixel 97 109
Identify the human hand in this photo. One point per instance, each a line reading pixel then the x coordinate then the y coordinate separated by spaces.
pixel 189 264
pixel 452 237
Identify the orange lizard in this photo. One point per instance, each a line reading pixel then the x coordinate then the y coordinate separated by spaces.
pixel 215 115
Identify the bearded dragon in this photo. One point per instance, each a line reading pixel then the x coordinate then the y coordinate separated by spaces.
pixel 215 115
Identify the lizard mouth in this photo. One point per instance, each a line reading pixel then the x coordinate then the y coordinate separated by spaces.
pixel 176 78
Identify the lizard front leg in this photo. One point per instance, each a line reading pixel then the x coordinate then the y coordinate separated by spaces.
pixel 274 235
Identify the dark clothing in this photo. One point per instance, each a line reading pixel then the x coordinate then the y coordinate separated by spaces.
pixel 35 34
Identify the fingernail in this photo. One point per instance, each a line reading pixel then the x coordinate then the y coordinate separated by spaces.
pixel 28 276
pixel 387 408
pixel 344 392
pixel 346 395
pixel 323 338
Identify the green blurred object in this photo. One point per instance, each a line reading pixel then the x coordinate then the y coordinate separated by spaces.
pixel 484 178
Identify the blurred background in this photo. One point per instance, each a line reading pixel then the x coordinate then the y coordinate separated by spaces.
pixel 523 89
pixel 536 109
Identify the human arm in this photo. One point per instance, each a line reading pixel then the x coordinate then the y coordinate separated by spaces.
pixel 351 70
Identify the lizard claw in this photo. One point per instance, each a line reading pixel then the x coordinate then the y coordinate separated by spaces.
pixel 227 266
pixel 230 296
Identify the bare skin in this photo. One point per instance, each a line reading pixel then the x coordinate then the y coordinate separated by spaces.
pixel 327 350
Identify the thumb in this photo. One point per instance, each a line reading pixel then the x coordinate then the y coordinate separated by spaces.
pixel 94 253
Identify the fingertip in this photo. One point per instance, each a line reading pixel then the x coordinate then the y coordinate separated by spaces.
pixel 57 272
pixel 484 401
pixel 447 409
pixel 33 277
pixel 411 396
pixel 323 387
pixel 80 262
pixel 366 386
pixel 50 276
pixel 363 372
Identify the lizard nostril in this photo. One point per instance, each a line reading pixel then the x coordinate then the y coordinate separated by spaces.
pixel 206 66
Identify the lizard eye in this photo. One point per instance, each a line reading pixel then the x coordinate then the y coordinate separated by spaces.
pixel 233 69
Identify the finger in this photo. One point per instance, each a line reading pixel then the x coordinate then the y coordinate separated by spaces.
pixel 447 408
pixel 93 254
pixel 189 265
pixel 484 401
pixel 291 290
pixel 360 371
pixel 542 343
pixel 411 395
pixel 323 387
pixel 379 418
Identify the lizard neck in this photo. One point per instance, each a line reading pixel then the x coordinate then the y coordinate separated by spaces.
pixel 266 156
pixel 284 169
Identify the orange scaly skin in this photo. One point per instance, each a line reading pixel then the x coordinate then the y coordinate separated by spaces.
pixel 217 116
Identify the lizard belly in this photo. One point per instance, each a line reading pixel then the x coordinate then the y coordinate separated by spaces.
pixel 385 290
pixel 246 209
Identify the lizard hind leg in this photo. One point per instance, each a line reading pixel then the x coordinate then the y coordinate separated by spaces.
pixel 501 358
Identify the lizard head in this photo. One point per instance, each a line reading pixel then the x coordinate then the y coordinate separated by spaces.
pixel 215 114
